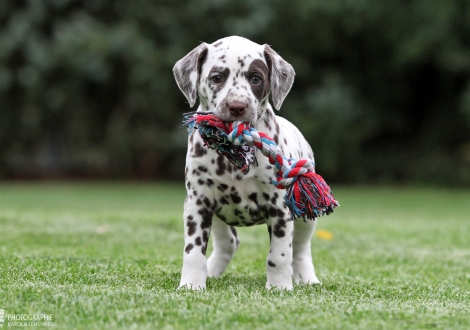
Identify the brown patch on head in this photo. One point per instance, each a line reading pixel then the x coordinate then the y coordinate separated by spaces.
pixel 202 59
pixel 217 78
pixel 260 85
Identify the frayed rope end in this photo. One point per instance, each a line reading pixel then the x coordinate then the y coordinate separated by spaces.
pixel 310 197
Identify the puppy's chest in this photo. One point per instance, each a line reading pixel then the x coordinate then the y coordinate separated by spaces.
pixel 247 204
pixel 237 199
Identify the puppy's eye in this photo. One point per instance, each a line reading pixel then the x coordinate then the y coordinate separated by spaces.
pixel 217 78
pixel 255 80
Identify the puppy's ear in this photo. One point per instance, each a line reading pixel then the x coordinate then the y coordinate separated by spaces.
pixel 187 72
pixel 281 76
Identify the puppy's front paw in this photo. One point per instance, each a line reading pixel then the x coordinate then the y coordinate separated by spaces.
pixel 306 280
pixel 192 286
pixel 280 286
pixel 194 272
pixel 304 273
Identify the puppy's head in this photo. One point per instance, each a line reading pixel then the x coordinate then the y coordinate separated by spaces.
pixel 234 77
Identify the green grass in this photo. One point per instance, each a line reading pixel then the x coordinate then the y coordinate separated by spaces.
pixel 108 256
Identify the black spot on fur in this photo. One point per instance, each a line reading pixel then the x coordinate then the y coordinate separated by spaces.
pixel 201 182
pixel 272 211
pixel 254 213
pixel 206 218
pixel 224 200
pixel 191 227
pixel 210 182
pixel 271 264
pixel 188 248
pixel 207 202
pixel 235 198
pixel 202 169
pixel 205 236
pixel 233 230
pixel 221 167
pixel 278 228
pixel 222 187
pixel 266 196
pixel 198 241
pixel 274 198
pixel 253 197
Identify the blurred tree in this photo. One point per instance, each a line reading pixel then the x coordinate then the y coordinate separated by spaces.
pixel 382 89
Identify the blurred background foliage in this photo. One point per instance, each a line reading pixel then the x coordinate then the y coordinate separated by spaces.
pixel 382 90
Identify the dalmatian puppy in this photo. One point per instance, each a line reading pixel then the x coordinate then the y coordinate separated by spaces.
pixel 234 77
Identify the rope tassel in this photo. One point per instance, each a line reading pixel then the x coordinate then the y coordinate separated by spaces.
pixel 307 196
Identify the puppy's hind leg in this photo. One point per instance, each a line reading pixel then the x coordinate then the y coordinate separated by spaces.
pixel 225 243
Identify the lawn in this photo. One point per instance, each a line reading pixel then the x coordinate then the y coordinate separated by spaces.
pixel 108 256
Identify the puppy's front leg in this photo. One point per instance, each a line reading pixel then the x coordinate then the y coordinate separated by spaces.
pixel 304 272
pixel 197 227
pixel 279 261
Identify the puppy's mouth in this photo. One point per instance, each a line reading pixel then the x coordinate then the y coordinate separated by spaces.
pixel 244 114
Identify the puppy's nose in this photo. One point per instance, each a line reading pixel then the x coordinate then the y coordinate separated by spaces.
pixel 236 108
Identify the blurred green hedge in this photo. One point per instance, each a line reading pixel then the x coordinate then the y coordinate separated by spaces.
pixel 382 90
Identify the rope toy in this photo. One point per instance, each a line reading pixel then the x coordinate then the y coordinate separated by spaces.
pixel 308 195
